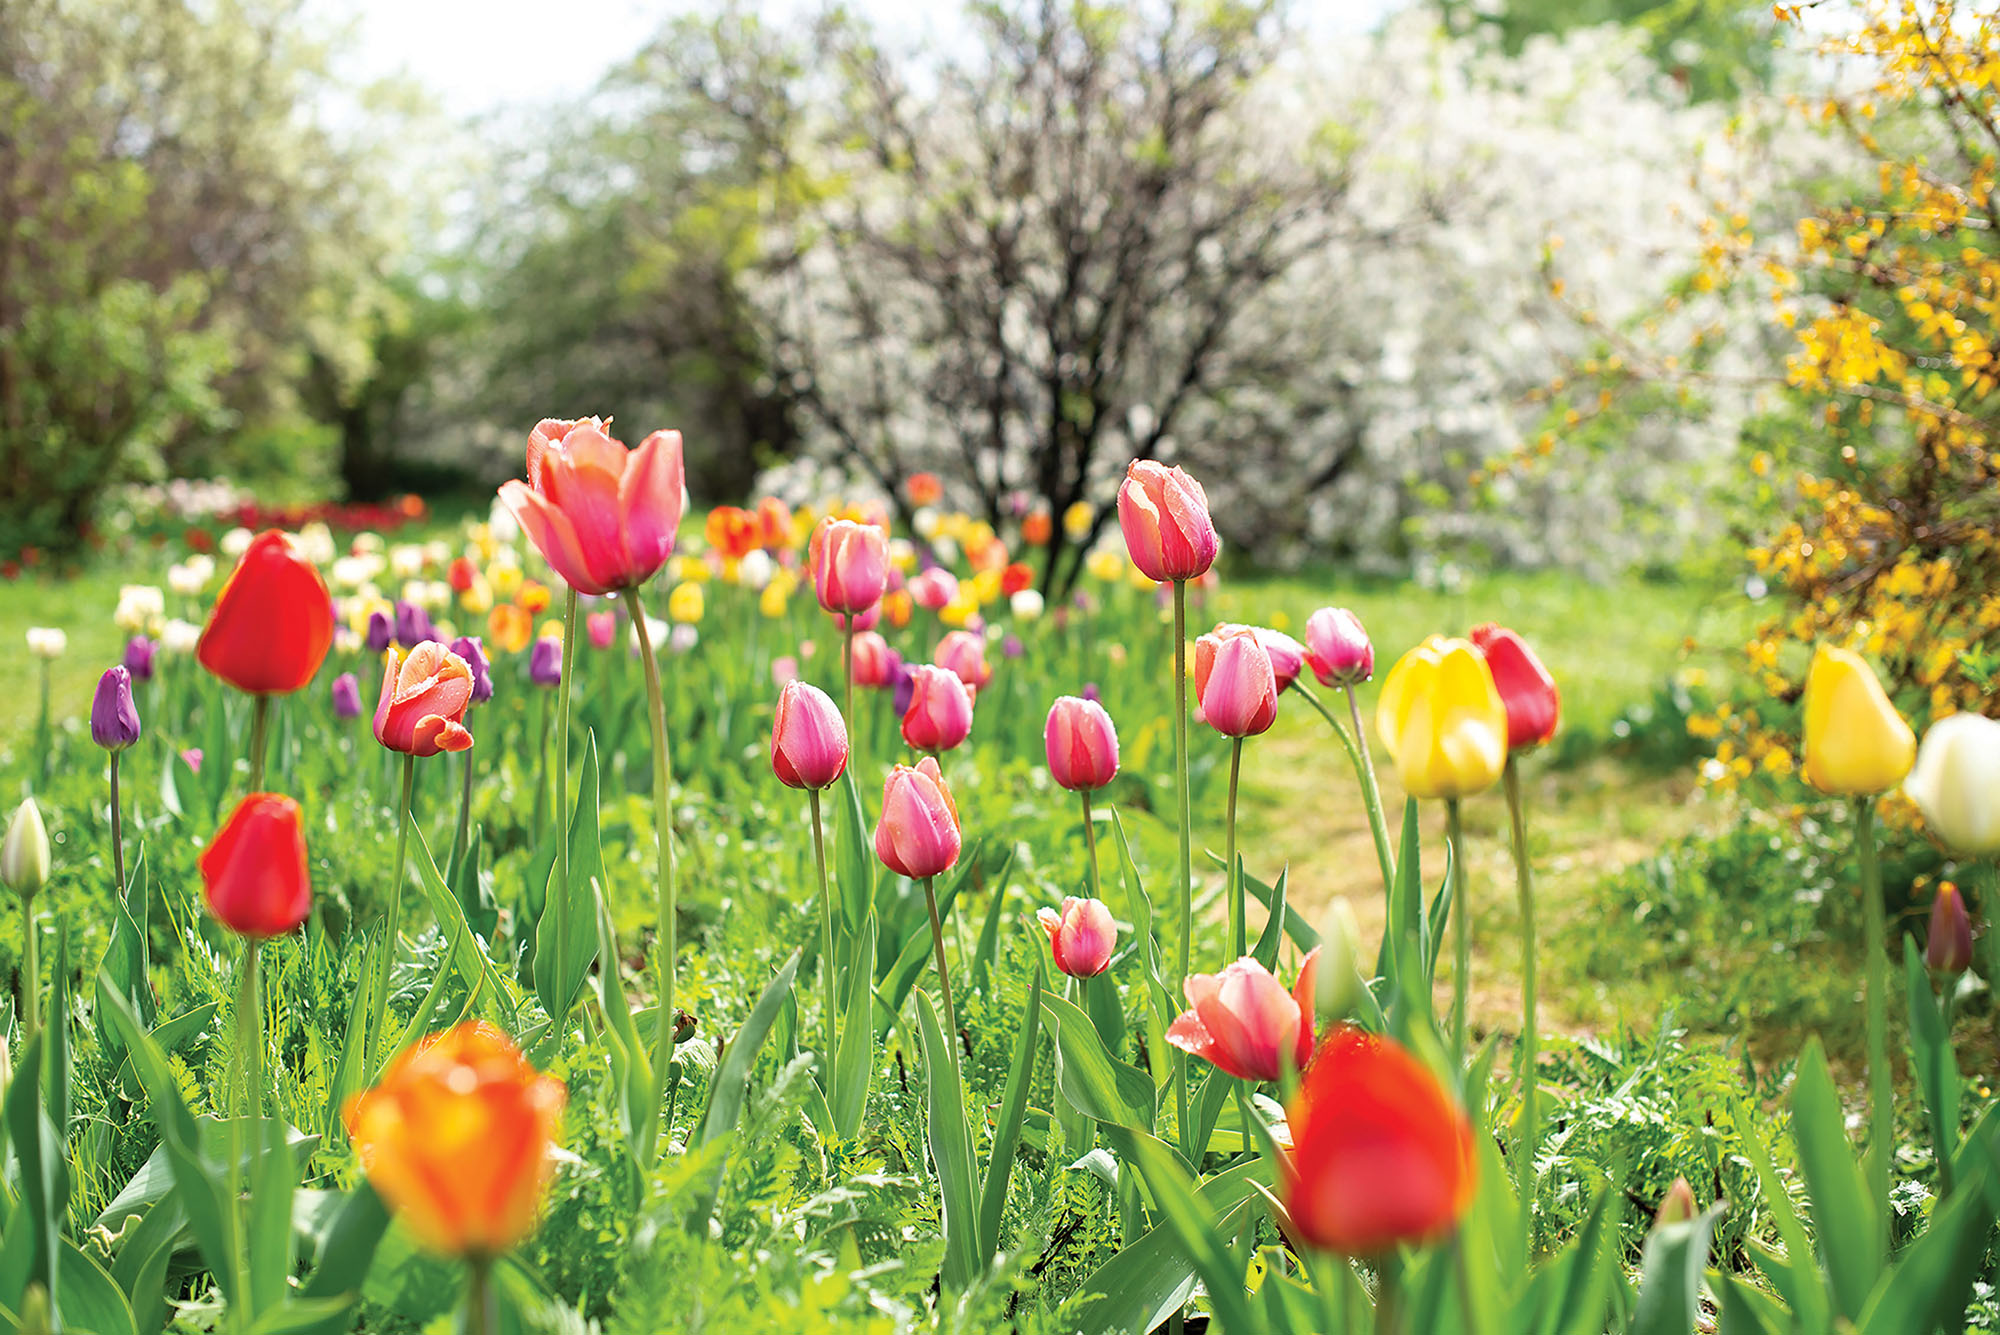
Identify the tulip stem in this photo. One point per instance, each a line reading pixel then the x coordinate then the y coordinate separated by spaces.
pixel 561 803
pixel 31 973
pixel 392 916
pixel 663 833
pixel 246 1110
pixel 1881 1136
pixel 1364 773
pixel 249 1032
pixel 44 738
pixel 944 971
pixel 1187 858
pixel 260 711
pixel 479 1310
pixel 1090 845
pixel 545 709
pixel 1524 880
pixel 1389 1293
pixel 827 982
pixel 1461 926
pixel 847 659
pixel 1239 927
pixel 461 845
pixel 117 830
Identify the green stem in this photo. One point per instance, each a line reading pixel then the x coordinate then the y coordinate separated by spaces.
pixel 1940 1134
pixel 250 1032
pixel 45 738
pixel 544 708
pixel 1882 1132
pixel 663 833
pixel 1239 927
pixel 944 970
pixel 1187 856
pixel 1389 1293
pixel 480 1312
pixel 392 917
pixel 117 830
pixel 1524 880
pixel 461 844
pixel 1090 845
pixel 31 972
pixel 1461 919
pixel 1364 773
pixel 847 703
pixel 260 711
pixel 827 981
pixel 561 805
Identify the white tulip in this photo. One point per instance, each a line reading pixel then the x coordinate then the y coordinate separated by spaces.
pixel 47 641
pixel 1956 783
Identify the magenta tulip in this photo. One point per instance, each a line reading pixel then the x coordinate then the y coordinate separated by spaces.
pixel 964 654
pixel 808 738
pixel 850 564
pixel 1235 683
pixel 1164 514
pixel 1337 648
pixel 917 835
pixel 1082 745
pixel 940 712
pixel 872 659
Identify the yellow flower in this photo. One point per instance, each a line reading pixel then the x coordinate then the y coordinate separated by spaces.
pixel 1442 719
pixel 1855 743
pixel 505 576
pixel 478 597
pixel 1077 520
pixel 959 610
pixel 1106 563
pixel 985 586
pixel 686 603
pixel 771 602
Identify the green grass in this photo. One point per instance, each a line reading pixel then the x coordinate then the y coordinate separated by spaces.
pixel 82 606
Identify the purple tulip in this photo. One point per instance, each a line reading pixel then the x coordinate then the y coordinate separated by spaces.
pixel 1011 647
pixel 139 653
pixel 381 631
pixel 906 687
pixel 1090 691
pixel 413 625
pixel 545 662
pixel 482 672
pixel 114 719
pixel 346 696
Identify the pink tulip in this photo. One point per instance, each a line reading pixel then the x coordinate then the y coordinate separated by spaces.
pixel 850 564
pixel 603 516
pixel 1288 656
pixel 917 835
pixel 1234 683
pixel 1081 936
pixel 784 670
pixel 1081 744
pixel 872 660
pixel 1243 1021
pixel 1337 647
pixel 934 588
pixel 603 629
pixel 867 620
pixel 808 738
pixel 964 654
pixel 940 712
pixel 421 710
pixel 1164 514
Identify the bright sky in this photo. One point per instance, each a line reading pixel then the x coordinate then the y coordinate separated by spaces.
pixel 477 55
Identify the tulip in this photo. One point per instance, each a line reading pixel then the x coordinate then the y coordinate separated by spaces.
pixel 682 638
pixel 1234 682
pixel 1443 720
pixel 545 662
pixel 191 757
pixel 461 574
pixel 254 871
pixel 1956 783
pixel 603 516
pixel 1037 527
pixel 381 632
pixel 457 1137
pixel 870 654
pixel 413 625
pixel 849 564
pixel 1526 689
pixel 114 719
pixel 917 836
pixel 1081 936
pixel 774 525
pixel 808 738
pixel 934 589
pixel 1337 648
pixel 47 642
pixel 346 696
pixel 468 649
pixel 602 627
pixel 139 652
pixel 923 489
pixel 939 715
pixel 1381 1154
pixel 1949 949
pixel 686 603
pixel 421 710
pixel 24 852
pixel 1081 743
pixel 1244 1022
pixel 1856 743
pixel 510 626
pixel 1164 513
pixel 272 623
pixel 963 653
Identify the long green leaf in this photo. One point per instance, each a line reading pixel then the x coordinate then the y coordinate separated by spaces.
pixel 1193 1224
pixel 951 1150
pixel 1850 1229
pixel 732 1081
pixel 1671 1267
pixel 1149 1280
pixel 1097 1084
pixel 1007 1130
pixel 854 1061
pixel 566 937
pixel 857 862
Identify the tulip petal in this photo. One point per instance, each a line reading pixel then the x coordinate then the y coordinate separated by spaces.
pixel 649 501
pixel 553 535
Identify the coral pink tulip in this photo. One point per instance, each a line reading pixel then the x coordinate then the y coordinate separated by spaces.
pixel 1234 682
pixel 1244 1022
pixel 917 835
pixel 1082 745
pixel 421 710
pixel 604 516
pixel 871 659
pixel 602 628
pixel 808 738
pixel 1081 936
pixel 940 711
pixel 850 564
pixel 1337 648
pixel 1164 514
pixel 934 589
pixel 963 653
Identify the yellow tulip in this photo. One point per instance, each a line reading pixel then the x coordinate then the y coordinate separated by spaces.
pixel 1442 719
pixel 1106 563
pixel 686 603
pixel 985 586
pixel 771 602
pixel 505 576
pixel 1856 743
pixel 478 597
pixel 958 611
pixel 1077 520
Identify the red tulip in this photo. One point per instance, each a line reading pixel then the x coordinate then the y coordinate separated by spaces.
pixel 421 710
pixel 604 516
pixel 272 623
pixel 461 574
pixel 1164 514
pixel 917 835
pixel 808 738
pixel 849 563
pixel 1526 688
pixel 1081 936
pixel 1234 682
pixel 940 712
pixel 1244 1022
pixel 1337 648
pixel 963 653
pixel 1381 1155
pixel 1081 743
pixel 871 659
pixel 254 871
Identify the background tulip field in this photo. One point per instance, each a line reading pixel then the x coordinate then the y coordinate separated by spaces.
pixel 1038 668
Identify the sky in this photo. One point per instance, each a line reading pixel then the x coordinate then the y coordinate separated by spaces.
pixel 477 56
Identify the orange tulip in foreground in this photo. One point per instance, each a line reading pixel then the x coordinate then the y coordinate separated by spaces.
pixel 1243 1021
pixel 272 623
pixel 1381 1154
pixel 422 707
pixel 254 870
pixel 456 1137
pixel 604 516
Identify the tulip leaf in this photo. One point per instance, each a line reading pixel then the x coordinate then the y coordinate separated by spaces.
pixel 915 953
pixel 1791 1275
pixel 125 963
pixel 1007 1129
pixel 1932 1059
pixel 951 1149
pixel 1191 1222
pixel 347 1073
pixel 1850 1223
pixel 1097 1084
pixel 988 949
pixel 1933 1276
pixel 55 1032
pixel 631 1061
pixel 566 937
pixel 482 980
pixel 34 1232
pixel 1302 933
pixel 731 1084
pixel 1265 952
pixel 854 1057
pixel 1162 1007
pixel 345 1254
pixel 91 1299
pixel 1670 1269
pixel 268 1233
pixel 140 1266
pixel 857 862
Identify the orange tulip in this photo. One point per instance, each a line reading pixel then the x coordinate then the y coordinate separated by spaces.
pixel 1037 528
pixel 510 627
pixel 732 531
pixel 774 524
pixel 272 623
pixel 923 489
pixel 456 1137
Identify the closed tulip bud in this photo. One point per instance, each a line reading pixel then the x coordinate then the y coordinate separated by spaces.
pixel 939 716
pixel 1677 1206
pixel 468 649
pixel 24 852
pixel 114 719
pixel 346 696
pixel 1956 783
pixel 917 834
pixel 1164 514
pixel 1382 1155
pixel 139 653
pixel 1081 743
pixel 272 624
pixel 963 653
pixel 381 632
pixel 849 564
pixel 1855 742
pixel 413 625
pixel 1081 936
pixel 1243 1022
pixel 457 1137
pixel 871 659
pixel 934 589
pixel 545 662
pixel 808 738
pixel 1949 949
pixel 602 628
pixel 1525 686
pixel 1337 648
pixel 1442 719
pixel 254 872
pixel 1234 682
pixel 421 710
pixel 603 516
pixel 1288 656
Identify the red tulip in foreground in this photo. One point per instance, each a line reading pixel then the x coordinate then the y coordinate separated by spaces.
pixel 940 712
pixel 1081 743
pixel 1081 936
pixel 917 835
pixel 849 564
pixel 422 707
pixel 1244 1022
pixel 272 623
pixel 604 516
pixel 1527 690
pixel 254 871
pixel 1234 682
pixel 1381 1154
pixel 1164 515
pixel 808 738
